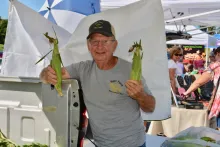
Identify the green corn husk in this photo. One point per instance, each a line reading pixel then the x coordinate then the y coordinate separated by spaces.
pixel 4 142
pixel 136 72
pixel 55 62
pixel 208 139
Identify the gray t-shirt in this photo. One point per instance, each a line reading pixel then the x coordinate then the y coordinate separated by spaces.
pixel 114 117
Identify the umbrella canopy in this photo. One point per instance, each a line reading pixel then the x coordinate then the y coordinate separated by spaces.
pixel 68 13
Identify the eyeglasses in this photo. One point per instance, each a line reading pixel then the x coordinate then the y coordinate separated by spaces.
pixel 103 42
pixel 178 55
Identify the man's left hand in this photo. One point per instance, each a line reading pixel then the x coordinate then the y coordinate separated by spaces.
pixel 135 89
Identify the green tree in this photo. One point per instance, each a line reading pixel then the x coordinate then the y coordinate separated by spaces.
pixel 3 28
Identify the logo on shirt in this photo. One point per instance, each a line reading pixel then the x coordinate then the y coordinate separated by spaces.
pixel 116 86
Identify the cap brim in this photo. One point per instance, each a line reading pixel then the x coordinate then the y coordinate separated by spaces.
pixel 100 32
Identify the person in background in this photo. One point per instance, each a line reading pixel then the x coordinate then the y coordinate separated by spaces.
pixel 213 72
pixel 113 101
pixel 198 62
pixel 203 56
pixel 211 57
pixel 198 55
pixel 180 67
pixel 185 65
pixel 189 69
pixel 175 54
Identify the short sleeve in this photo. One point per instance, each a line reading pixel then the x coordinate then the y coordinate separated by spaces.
pixel 76 70
pixel 73 70
pixel 171 64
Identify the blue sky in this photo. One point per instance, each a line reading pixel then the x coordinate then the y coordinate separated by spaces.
pixel 34 4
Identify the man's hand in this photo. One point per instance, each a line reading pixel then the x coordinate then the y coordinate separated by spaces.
pixel 135 90
pixel 48 75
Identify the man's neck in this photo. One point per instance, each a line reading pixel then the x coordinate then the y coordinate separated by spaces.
pixel 107 65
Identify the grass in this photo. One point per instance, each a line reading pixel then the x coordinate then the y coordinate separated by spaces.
pixel 1 47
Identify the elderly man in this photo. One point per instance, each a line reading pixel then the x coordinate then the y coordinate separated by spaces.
pixel 113 101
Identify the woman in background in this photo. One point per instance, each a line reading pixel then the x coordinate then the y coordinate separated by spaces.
pixel 175 55
pixel 213 72
pixel 198 62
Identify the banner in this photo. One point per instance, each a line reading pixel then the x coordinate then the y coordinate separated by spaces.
pixel 25 43
pixel 141 20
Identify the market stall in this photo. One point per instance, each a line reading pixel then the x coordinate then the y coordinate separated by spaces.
pixel 180 120
pixel 198 38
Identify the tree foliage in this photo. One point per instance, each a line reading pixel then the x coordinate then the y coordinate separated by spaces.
pixel 3 28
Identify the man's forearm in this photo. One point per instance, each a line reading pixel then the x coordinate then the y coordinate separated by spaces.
pixel 147 103
pixel 204 78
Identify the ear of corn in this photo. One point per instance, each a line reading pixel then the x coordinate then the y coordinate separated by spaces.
pixel 4 142
pixel 55 62
pixel 136 71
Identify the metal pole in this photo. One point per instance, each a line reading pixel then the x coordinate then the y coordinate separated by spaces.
pixel 207 57
pixel 192 16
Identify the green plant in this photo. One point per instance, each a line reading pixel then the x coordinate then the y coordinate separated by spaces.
pixel 3 28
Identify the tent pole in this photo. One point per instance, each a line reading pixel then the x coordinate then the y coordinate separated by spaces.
pixel 206 57
pixel 192 16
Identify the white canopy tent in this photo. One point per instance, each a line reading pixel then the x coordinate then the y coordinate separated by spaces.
pixel 109 4
pixel 182 8
pixel 198 37
pixel 179 8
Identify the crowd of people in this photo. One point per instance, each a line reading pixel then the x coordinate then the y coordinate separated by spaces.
pixel 188 78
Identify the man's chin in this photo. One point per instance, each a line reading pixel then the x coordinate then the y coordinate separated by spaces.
pixel 99 60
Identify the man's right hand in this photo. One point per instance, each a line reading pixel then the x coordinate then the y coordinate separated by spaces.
pixel 48 75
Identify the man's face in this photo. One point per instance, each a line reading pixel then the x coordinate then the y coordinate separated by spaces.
pixel 101 47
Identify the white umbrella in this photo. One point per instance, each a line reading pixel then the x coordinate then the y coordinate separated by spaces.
pixel 68 13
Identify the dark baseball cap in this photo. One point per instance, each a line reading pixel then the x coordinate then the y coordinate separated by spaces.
pixel 103 27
